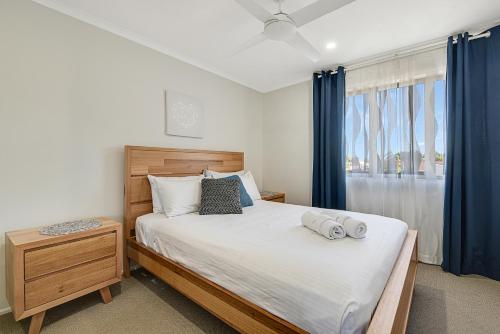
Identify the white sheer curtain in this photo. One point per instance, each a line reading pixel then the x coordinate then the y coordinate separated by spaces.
pixel 395 136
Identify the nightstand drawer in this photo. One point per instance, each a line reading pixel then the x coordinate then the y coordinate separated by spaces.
pixel 278 200
pixel 54 286
pixel 51 259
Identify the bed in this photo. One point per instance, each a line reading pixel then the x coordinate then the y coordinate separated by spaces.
pixel 239 269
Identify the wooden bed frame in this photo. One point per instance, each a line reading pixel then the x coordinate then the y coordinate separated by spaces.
pixel 390 316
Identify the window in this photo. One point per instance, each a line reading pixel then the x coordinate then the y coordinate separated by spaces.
pixel 397 130
pixel 395 134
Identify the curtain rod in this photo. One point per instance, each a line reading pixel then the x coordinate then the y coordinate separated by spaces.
pixel 428 46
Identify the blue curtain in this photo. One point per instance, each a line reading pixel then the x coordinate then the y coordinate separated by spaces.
pixel 471 238
pixel 329 184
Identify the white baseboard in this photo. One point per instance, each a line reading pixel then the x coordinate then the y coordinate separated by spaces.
pixel 5 310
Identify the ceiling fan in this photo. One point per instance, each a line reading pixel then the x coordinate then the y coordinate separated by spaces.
pixel 283 27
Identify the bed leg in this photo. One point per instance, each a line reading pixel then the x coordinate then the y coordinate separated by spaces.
pixel 126 259
pixel 126 266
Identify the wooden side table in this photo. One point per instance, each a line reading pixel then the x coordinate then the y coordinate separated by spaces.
pixel 45 271
pixel 273 196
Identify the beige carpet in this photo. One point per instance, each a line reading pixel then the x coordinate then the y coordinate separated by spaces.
pixel 443 303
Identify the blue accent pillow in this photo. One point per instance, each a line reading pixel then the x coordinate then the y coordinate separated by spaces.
pixel 245 199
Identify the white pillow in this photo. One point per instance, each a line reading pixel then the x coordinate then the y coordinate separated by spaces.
pixel 246 178
pixel 155 195
pixel 179 197
pixel 249 184
pixel 218 175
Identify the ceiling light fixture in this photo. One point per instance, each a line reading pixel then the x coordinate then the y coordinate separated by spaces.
pixel 331 45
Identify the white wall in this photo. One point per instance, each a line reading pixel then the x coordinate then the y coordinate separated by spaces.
pixel 288 142
pixel 71 96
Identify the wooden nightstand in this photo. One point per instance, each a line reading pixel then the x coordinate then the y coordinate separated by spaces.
pixel 45 271
pixel 273 196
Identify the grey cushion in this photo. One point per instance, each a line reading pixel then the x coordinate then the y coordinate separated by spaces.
pixel 220 197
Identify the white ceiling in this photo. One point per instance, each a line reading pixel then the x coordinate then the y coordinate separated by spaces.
pixel 206 32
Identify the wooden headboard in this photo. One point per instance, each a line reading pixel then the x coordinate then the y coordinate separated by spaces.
pixel 141 161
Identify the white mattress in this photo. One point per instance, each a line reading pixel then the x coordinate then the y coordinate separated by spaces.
pixel 267 257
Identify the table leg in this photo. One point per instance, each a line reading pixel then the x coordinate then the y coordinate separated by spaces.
pixel 105 295
pixel 36 323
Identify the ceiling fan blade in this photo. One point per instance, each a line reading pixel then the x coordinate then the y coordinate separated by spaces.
pixel 316 10
pixel 251 42
pixel 256 10
pixel 301 44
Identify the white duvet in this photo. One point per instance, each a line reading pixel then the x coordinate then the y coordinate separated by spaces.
pixel 266 256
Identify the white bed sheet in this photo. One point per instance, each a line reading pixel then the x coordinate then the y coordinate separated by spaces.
pixel 267 257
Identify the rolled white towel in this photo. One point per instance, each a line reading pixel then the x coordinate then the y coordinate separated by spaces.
pixel 323 225
pixel 354 228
